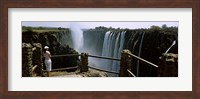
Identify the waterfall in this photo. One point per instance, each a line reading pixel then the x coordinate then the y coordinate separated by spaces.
pixel 117 50
pixel 105 50
pixel 141 42
pixel 77 37
pixel 134 44
pixel 139 53
pixel 112 47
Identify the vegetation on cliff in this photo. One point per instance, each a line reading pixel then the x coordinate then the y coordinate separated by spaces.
pixel 58 40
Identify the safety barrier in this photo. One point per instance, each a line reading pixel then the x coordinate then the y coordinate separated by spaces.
pixel 68 68
pixel 103 57
pixel 125 63
pixel 32 62
pixel 142 60
pixel 103 70
pixel 60 69
pixel 66 55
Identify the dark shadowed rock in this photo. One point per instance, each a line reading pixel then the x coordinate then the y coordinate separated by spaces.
pixel 58 43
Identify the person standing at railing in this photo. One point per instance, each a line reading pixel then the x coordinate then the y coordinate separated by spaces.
pixel 47 61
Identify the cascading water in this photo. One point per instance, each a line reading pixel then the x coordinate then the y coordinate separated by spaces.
pixel 139 53
pixel 77 37
pixel 119 44
pixel 112 47
pixel 113 44
pixel 144 43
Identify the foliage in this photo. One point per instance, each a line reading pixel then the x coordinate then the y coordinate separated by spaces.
pixel 42 29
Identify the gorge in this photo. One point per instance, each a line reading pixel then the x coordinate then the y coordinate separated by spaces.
pixel 148 44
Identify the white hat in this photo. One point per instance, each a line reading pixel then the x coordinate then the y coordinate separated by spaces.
pixel 46 47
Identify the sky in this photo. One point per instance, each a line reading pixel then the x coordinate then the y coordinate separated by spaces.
pixel 88 25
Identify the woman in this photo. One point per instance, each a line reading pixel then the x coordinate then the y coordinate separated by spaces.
pixel 47 61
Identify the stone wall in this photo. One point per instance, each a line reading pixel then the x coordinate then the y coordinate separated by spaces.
pixel 37 58
pixel 31 59
pixel 168 65
pixel 27 55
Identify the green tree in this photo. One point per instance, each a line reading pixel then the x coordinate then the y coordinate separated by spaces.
pixel 29 29
pixel 164 26
pixel 59 28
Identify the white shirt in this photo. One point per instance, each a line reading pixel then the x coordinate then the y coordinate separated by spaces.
pixel 47 55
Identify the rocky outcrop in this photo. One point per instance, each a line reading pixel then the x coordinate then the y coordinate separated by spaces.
pixel 31 59
pixel 59 43
pixel 27 55
pixel 168 65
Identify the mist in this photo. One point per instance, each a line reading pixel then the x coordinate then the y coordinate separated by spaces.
pixel 77 37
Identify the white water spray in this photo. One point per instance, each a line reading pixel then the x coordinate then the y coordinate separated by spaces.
pixel 77 37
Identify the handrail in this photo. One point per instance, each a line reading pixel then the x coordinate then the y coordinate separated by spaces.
pixel 131 73
pixel 34 67
pixel 66 55
pixel 103 57
pixel 145 61
pixel 103 70
pixel 95 56
pixel 63 68
pixel 110 58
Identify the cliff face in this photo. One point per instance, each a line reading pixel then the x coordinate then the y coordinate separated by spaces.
pixel 93 41
pixel 148 44
pixel 59 43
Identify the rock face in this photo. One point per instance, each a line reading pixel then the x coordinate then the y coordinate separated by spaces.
pixel 93 40
pixel 148 44
pixel 59 43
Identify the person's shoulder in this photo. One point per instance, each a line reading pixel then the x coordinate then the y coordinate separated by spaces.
pixel 48 52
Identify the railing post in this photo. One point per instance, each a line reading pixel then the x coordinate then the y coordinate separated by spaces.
pixel 84 62
pixel 125 63
pixel 168 65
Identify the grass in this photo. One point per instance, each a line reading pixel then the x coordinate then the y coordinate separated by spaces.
pixel 42 31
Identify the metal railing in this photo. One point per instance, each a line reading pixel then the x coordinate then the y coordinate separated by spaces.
pixel 95 56
pixel 60 69
pixel 143 60
pixel 130 73
pixel 113 72
pixel 66 55
pixel 103 57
